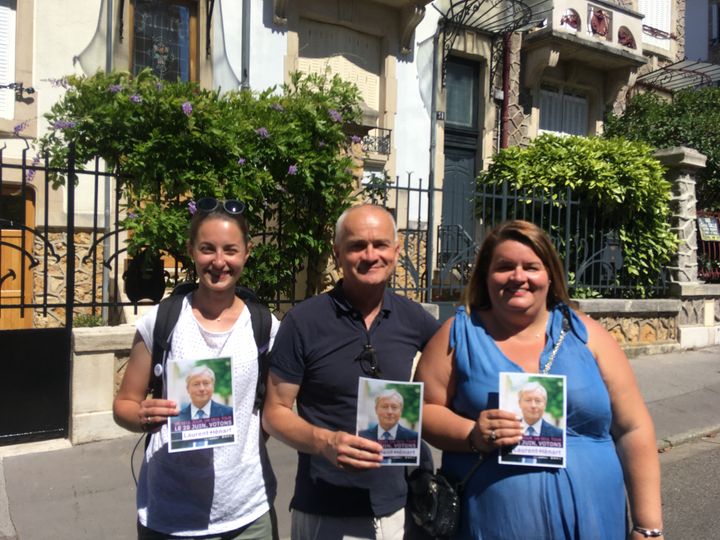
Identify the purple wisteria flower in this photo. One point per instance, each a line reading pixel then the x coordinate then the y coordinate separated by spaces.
pixel 20 127
pixel 115 88
pixel 241 161
pixel 336 116
pixel 192 208
pixel 292 170
pixel 30 173
pixel 355 139
pixel 322 144
pixel 136 98
pixel 63 124
pixel 277 107
pixel 159 86
pixel 262 132
pixel 187 108
pixel 132 215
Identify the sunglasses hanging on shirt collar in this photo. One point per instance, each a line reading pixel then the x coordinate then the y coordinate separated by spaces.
pixel 230 206
pixel 369 362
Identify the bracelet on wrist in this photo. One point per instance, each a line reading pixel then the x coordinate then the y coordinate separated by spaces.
pixel 472 446
pixel 648 533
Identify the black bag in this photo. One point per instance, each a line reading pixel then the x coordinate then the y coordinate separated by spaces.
pixel 434 502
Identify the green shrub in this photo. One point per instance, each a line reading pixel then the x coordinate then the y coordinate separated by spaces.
pixel 618 182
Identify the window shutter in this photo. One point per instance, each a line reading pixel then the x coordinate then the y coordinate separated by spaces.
pixel 550 110
pixel 7 57
pixel 658 15
pixel 352 55
pixel 575 115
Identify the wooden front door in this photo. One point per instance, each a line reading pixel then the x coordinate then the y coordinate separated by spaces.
pixel 16 277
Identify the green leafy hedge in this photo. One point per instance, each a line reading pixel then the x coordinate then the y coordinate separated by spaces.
pixel 282 151
pixel 618 182
pixel 691 119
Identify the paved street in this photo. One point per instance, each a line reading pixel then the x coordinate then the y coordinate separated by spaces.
pixel 691 498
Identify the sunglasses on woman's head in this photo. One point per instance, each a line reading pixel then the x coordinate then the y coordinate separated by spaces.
pixel 210 204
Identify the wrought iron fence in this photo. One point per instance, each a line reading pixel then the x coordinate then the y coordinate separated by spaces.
pixel 74 259
pixel 588 245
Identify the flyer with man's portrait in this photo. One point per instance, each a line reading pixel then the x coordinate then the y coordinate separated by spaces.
pixel 203 391
pixel 540 402
pixel 390 412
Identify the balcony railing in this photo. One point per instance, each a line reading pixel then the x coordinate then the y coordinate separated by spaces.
pixel 377 141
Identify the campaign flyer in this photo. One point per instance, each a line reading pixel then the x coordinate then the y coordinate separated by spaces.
pixel 203 391
pixel 390 412
pixel 540 402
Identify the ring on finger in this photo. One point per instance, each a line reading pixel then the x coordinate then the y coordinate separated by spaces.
pixel 493 436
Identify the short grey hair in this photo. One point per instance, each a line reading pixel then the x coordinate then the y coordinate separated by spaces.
pixel 340 223
pixel 532 387
pixel 390 394
pixel 200 370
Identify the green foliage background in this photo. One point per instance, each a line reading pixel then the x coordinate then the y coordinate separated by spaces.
pixel 411 401
pixel 691 119
pixel 223 376
pixel 282 151
pixel 618 182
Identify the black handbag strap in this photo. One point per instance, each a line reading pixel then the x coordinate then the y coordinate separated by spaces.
pixel 460 485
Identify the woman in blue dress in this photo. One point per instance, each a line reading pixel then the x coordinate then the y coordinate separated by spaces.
pixel 516 305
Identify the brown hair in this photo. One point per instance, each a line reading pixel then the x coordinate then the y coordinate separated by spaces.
pixel 219 213
pixel 476 293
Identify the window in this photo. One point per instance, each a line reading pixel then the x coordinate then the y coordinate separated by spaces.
pixel 461 85
pixel 7 57
pixel 165 36
pixel 657 16
pixel 714 20
pixel 563 111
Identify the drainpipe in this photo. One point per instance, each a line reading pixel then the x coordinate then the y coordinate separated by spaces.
pixel 106 199
pixel 245 56
pixel 431 180
pixel 505 110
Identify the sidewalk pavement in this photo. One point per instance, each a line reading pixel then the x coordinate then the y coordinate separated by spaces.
pixel 53 490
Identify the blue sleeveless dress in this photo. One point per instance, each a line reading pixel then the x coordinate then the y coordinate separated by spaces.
pixel 585 500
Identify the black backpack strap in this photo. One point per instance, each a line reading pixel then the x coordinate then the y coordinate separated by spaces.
pixel 167 315
pixel 261 323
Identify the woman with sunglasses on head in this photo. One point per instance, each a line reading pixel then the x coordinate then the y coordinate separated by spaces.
pixel 223 492
pixel 518 318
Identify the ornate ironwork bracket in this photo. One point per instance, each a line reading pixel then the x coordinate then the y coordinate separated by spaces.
pixel 33 261
pixel 280 12
pixel 208 20
pixel 492 17
pixel 409 19
pixel 20 226
pixel 121 19
pixel 10 274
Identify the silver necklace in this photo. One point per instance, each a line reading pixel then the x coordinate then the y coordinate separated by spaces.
pixel 554 352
